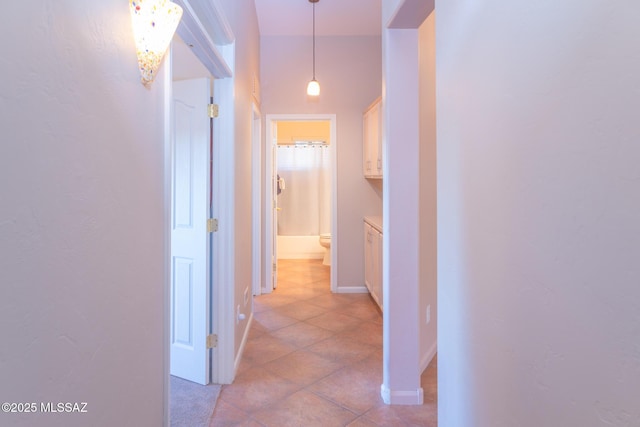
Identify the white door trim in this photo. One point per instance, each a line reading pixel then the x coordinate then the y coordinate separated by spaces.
pixel 166 322
pixel 270 118
pixel 195 32
pixel 256 190
pixel 223 276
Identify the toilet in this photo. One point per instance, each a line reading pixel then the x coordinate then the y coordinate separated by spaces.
pixel 325 241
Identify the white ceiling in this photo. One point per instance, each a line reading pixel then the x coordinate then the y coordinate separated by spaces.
pixel 333 17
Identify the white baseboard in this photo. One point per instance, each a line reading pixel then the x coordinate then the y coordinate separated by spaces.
pixel 352 290
pixel 236 363
pixel 401 397
pixel 428 356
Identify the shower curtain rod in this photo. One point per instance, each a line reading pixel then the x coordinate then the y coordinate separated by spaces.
pixel 305 143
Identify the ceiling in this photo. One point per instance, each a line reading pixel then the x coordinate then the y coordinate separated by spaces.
pixel 333 17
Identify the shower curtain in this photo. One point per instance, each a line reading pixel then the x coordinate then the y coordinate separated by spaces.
pixel 305 202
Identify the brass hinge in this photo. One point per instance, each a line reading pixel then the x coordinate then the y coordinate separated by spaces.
pixel 213 110
pixel 212 341
pixel 212 225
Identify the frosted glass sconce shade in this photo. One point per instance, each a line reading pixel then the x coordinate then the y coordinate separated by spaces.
pixel 154 23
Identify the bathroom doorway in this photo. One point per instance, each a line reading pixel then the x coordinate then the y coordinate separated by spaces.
pixel 301 208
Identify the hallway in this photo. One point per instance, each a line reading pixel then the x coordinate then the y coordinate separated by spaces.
pixel 314 358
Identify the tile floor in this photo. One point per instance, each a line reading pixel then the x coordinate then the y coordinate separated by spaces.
pixel 314 358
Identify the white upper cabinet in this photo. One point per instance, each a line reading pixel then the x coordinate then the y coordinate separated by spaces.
pixel 372 147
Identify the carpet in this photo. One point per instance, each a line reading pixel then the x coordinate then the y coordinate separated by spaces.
pixel 191 404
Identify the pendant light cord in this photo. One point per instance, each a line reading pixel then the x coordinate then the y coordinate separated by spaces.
pixel 314 41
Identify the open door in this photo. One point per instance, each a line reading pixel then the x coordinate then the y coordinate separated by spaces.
pixel 274 204
pixel 190 192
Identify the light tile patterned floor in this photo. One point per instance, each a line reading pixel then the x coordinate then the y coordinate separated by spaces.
pixel 314 358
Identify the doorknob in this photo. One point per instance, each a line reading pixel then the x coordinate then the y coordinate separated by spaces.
pixel 278 209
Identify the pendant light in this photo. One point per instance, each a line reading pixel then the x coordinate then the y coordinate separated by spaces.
pixel 313 88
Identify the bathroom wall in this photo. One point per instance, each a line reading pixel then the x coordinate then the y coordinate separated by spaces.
pixel 291 131
pixel 350 74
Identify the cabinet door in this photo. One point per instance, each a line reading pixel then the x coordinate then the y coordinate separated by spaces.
pixel 372 141
pixel 370 154
pixel 377 141
pixel 369 259
pixel 377 247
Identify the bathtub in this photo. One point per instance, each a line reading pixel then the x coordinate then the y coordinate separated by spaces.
pixel 299 247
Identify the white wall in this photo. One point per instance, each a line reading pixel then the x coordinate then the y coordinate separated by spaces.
pixel 81 217
pixel 185 64
pixel 349 72
pixel 428 226
pixel 538 207
pixel 244 23
pixel 401 218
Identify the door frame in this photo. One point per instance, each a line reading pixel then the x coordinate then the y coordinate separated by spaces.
pixel 256 190
pixel 269 217
pixel 205 43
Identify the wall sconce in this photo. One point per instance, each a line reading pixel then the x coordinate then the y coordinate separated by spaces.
pixel 154 23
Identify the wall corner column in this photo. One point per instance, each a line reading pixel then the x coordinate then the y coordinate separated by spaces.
pixel 401 217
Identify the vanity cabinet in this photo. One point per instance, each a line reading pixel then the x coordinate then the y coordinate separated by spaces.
pixel 372 141
pixel 373 259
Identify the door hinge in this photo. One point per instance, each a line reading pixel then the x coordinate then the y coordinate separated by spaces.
pixel 212 225
pixel 275 266
pixel 212 341
pixel 213 110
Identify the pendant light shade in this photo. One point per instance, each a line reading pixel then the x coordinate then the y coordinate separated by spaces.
pixel 313 88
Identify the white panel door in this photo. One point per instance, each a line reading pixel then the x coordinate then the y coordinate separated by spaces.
pixel 190 278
